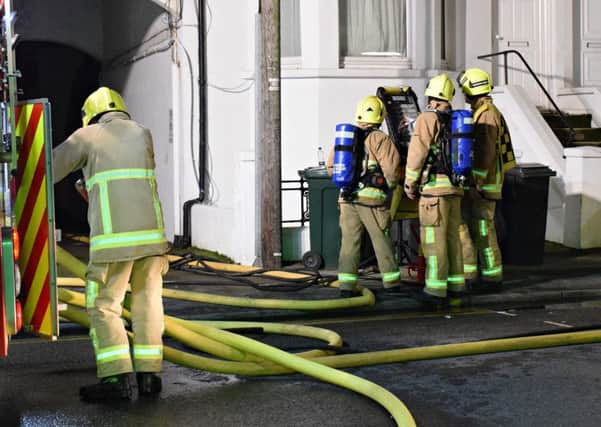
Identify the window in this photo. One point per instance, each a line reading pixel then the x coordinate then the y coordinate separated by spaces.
pixel 371 29
pixel 290 28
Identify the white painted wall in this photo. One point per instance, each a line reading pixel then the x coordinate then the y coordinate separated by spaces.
pixel 316 93
pixel 145 84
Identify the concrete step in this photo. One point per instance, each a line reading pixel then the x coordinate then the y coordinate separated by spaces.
pixel 582 136
pixel 574 120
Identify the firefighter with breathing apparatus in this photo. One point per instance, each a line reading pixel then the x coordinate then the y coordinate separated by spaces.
pixel 127 246
pixel 429 175
pixel 493 155
pixel 365 165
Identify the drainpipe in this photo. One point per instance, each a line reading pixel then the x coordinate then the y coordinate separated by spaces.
pixel 185 240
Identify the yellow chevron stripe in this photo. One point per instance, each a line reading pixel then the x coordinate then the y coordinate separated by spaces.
pixel 46 326
pixel 36 287
pixel 34 225
pixel 21 130
pixel 30 169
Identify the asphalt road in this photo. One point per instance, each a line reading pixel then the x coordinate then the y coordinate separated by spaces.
pixel 551 387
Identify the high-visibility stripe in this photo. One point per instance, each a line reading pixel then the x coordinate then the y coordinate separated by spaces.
pixel 391 277
pixel 115 174
pixel 110 354
pixel 436 284
pixel 121 240
pixel 148 351
pixel 483 227
pixel 489 256
pixel 470 268
pixel 493 271
pixel 347 278
pixel 429 235
pixel 492 188
pixel 412 174
pixel 105 208
pixel 156 203
pixel 371 193
pixel 480 173
pixel 439 182
pixel 432 267
pixel 91 293
pixel 371 163
pixel 456 278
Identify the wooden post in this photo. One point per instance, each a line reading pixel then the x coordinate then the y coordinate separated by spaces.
pixel 270 162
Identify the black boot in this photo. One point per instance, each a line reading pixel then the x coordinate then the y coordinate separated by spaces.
pixel 116 387
pixel 149 384
pixel 430 301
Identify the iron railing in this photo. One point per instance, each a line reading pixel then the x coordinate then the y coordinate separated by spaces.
pixel 505 53
pixel 299 185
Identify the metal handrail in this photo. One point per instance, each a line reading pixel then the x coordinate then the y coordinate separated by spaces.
pixel 571 133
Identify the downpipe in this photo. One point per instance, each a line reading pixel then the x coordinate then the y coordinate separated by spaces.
pixel 185 240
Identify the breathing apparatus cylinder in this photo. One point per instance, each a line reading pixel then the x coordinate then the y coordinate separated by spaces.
pixel 462 144
pixel 344 162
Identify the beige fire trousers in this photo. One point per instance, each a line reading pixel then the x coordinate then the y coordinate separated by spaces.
pixel 107 284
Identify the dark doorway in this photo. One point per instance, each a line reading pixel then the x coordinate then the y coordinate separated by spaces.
pixel 65 76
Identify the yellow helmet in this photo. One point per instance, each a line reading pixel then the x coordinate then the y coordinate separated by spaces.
pixel 370 110
pixel 100 101
pixel 475 81
pixel 440 87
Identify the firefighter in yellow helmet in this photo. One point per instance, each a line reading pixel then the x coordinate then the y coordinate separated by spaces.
pixel 426 175
pixel 366 208
pixel 116 156
pixel 481 254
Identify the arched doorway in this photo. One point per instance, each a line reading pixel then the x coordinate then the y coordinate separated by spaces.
pixel 66 76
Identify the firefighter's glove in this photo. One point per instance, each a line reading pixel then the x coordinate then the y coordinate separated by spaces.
pixel 410 191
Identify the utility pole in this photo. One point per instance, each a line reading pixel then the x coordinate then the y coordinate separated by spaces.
pixel 270 162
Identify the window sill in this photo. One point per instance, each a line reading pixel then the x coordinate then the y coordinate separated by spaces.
pixel 348 73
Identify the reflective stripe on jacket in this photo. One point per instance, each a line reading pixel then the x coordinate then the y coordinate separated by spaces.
pixel 124 212
pixel 423 141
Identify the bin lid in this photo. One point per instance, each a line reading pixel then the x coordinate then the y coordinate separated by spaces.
pixel 531 170
pixel 314 172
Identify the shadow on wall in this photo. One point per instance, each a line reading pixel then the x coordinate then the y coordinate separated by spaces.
pixel 65 76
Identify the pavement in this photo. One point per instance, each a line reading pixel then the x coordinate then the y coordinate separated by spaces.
pixel 548 387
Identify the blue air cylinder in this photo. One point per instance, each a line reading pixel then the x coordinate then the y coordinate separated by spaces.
pixel 343 155
pixel 462 142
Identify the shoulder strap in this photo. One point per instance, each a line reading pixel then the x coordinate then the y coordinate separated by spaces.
pixel 484 107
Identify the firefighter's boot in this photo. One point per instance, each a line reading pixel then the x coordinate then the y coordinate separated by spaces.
pixel 113 388
pixel 149 384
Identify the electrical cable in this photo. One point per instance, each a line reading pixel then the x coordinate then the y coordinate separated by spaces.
pixel 291 284
pixel 192 100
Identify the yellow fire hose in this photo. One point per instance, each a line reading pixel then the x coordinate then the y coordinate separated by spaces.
pixel 229 342
pixel 255 348
pixel 366 298
pixel 244 356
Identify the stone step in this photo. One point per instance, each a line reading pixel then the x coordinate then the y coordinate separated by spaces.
pixel 574 120
pixel 591 135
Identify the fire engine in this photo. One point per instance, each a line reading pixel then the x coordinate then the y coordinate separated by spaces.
pixel 28 297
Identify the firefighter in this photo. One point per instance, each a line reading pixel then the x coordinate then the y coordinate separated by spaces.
pixel 366 208
pixel 481 254
pixel 116 156
pixel 426 176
